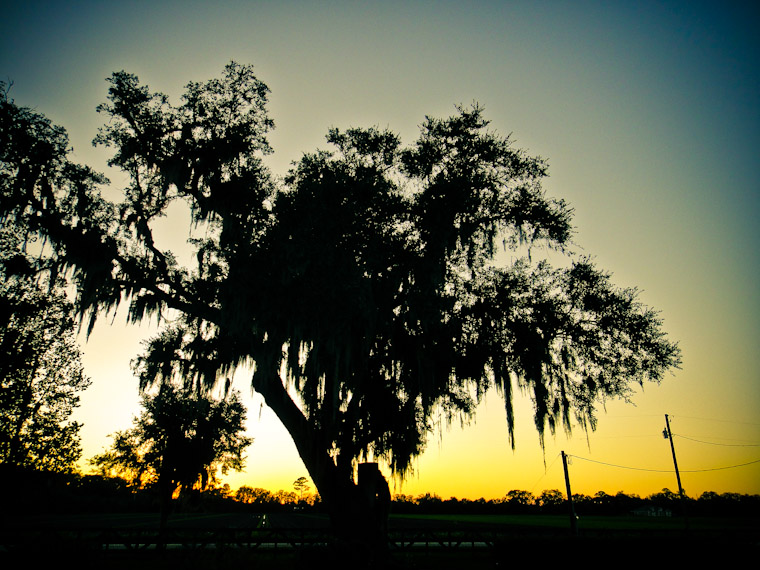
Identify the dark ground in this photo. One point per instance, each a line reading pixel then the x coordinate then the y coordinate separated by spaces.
pixel 514 546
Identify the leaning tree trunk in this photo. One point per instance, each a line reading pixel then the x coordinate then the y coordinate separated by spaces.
pixel 358 510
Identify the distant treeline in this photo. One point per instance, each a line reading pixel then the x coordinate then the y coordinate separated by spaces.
pixel 36 492
pixel 553 501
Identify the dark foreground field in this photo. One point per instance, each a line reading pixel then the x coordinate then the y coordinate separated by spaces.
pixel 417 542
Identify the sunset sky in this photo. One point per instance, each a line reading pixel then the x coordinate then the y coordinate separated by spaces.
pixel 648 113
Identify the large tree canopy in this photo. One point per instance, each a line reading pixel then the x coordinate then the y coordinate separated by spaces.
pixel 373 287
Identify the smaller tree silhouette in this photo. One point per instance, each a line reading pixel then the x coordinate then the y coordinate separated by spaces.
pixel 254 495
pixel 519 500
pixel 179 442
pixel 41 375
pixel 301 485
pixel 550 499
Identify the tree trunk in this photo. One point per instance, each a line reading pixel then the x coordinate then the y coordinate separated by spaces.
pixel 165 492
pixel 358 511
pixel 358 515
pixel 16 453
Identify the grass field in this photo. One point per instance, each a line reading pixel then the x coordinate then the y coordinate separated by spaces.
pixel 595 523
pixel 514 540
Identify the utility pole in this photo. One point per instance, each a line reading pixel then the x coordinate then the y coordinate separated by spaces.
pixel 573 518
pixel 667 434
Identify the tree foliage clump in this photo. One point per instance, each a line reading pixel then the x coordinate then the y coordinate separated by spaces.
pixel 41 373
pixel 372 289
pixel 181 440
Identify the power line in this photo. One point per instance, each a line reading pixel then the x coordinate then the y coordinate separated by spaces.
pixel 720 444
pixel 722 468
pixel 622 466
pixel 717 420
pixel 665 470
pixel 546 472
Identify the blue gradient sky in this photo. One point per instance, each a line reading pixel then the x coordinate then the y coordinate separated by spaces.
pixel 647 113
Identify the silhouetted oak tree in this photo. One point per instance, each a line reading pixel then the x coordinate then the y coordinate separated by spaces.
pixel 368 289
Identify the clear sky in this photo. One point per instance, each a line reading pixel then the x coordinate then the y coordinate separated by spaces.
pixel 646 111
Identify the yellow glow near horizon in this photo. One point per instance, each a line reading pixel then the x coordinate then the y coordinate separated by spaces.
pixel 648 114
